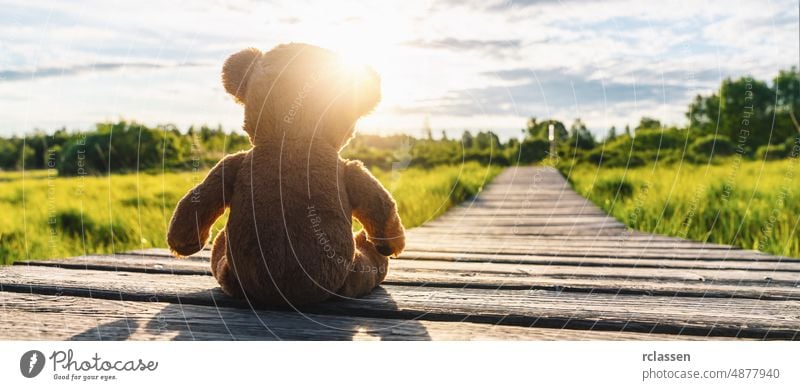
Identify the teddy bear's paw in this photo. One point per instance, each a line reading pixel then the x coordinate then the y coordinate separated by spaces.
pixel 185 250
pixel 390 246
pixel 384 249
pixel 185 242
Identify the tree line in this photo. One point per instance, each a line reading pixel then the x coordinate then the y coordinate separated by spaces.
pixel 745 117
pixel 119 147
pixel 748 117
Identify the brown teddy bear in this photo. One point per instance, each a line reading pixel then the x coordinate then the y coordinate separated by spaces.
pixel 289 236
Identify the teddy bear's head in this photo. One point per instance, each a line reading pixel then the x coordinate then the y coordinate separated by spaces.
pixel 300 90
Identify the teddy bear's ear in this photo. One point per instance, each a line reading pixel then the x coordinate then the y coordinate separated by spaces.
pixel 237 70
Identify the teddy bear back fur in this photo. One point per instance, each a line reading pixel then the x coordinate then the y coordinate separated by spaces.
pixel 290 220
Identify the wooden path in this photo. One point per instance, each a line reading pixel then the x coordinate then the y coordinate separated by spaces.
pixel 528 259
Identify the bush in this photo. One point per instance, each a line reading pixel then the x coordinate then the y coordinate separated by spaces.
pixel 617 159
pixel 73 223
pixel 77 225
pixel 109 233
pixel 611 188
pixel 659 140
pixel 12 244
pixel 787 149
pixel 625 151
pixel 710 145
pixel 533 150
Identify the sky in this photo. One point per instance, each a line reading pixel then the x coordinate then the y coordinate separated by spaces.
pixel 454 65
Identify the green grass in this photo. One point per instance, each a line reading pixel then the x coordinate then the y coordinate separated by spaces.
pixel 749 204
pixel 46 216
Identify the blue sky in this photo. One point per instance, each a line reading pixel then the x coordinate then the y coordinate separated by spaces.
pixel 452 64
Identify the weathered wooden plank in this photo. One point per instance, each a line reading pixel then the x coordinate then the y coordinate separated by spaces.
pixel 468 241
pixel 599 285
pixel 526 187
pixel 544 193
pixel 597 252
pixel 622 242
pixel 703 283
pixel 601 242
pixel 543 222
pixel 520 188
pixel 43 317
pixel 532 197
pixel 479 212
pixel 531 204
pixel 461 219
pixel 555 241
pixel 626 236
pixel 552 188
pixel 510 271
pixel 542 179
pixel 567 245
pixel 710 275
pixel 129 263
pixel 604 262
pixel 599 230
pixel 650 314
pixel 203 254
pixel 521 218
pixel 699 263
pixel 548 193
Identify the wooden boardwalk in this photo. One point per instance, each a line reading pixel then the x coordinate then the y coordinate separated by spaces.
pixel 528 259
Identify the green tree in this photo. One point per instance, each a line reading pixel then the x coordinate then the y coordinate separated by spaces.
pixel 27 158
pixel 612 134
pixel 487 141
pixel 648 123
pixel 787 99
pixel 542 129
pixel 746 106
pixel 579 136
pixel 533 150
pixel 466 139
pixel 703 114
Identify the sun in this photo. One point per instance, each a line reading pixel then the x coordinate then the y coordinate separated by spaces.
pixel 380 51
pixel 366 34
pixel 362 44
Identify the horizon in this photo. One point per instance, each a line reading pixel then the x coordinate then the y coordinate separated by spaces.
pixel 609 64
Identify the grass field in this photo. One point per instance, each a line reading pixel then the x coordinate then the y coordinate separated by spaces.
pixel 46 216
pixel 749 204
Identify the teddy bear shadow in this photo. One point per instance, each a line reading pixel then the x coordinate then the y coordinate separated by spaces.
pixel 118 330
pixel 343 319
pixel 237 320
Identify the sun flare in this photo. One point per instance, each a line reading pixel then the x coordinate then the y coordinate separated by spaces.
pixel 373 40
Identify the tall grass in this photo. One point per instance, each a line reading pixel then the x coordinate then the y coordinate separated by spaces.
pixel 46 216
pixel 749 204
pixel 423 194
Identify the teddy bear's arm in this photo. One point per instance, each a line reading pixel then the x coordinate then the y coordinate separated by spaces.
pixel 202 205
pixel 375 208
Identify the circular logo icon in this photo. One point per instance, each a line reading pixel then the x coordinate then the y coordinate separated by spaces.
pixel 31 363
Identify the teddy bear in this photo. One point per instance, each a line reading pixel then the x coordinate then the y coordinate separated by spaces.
pixel 288 239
